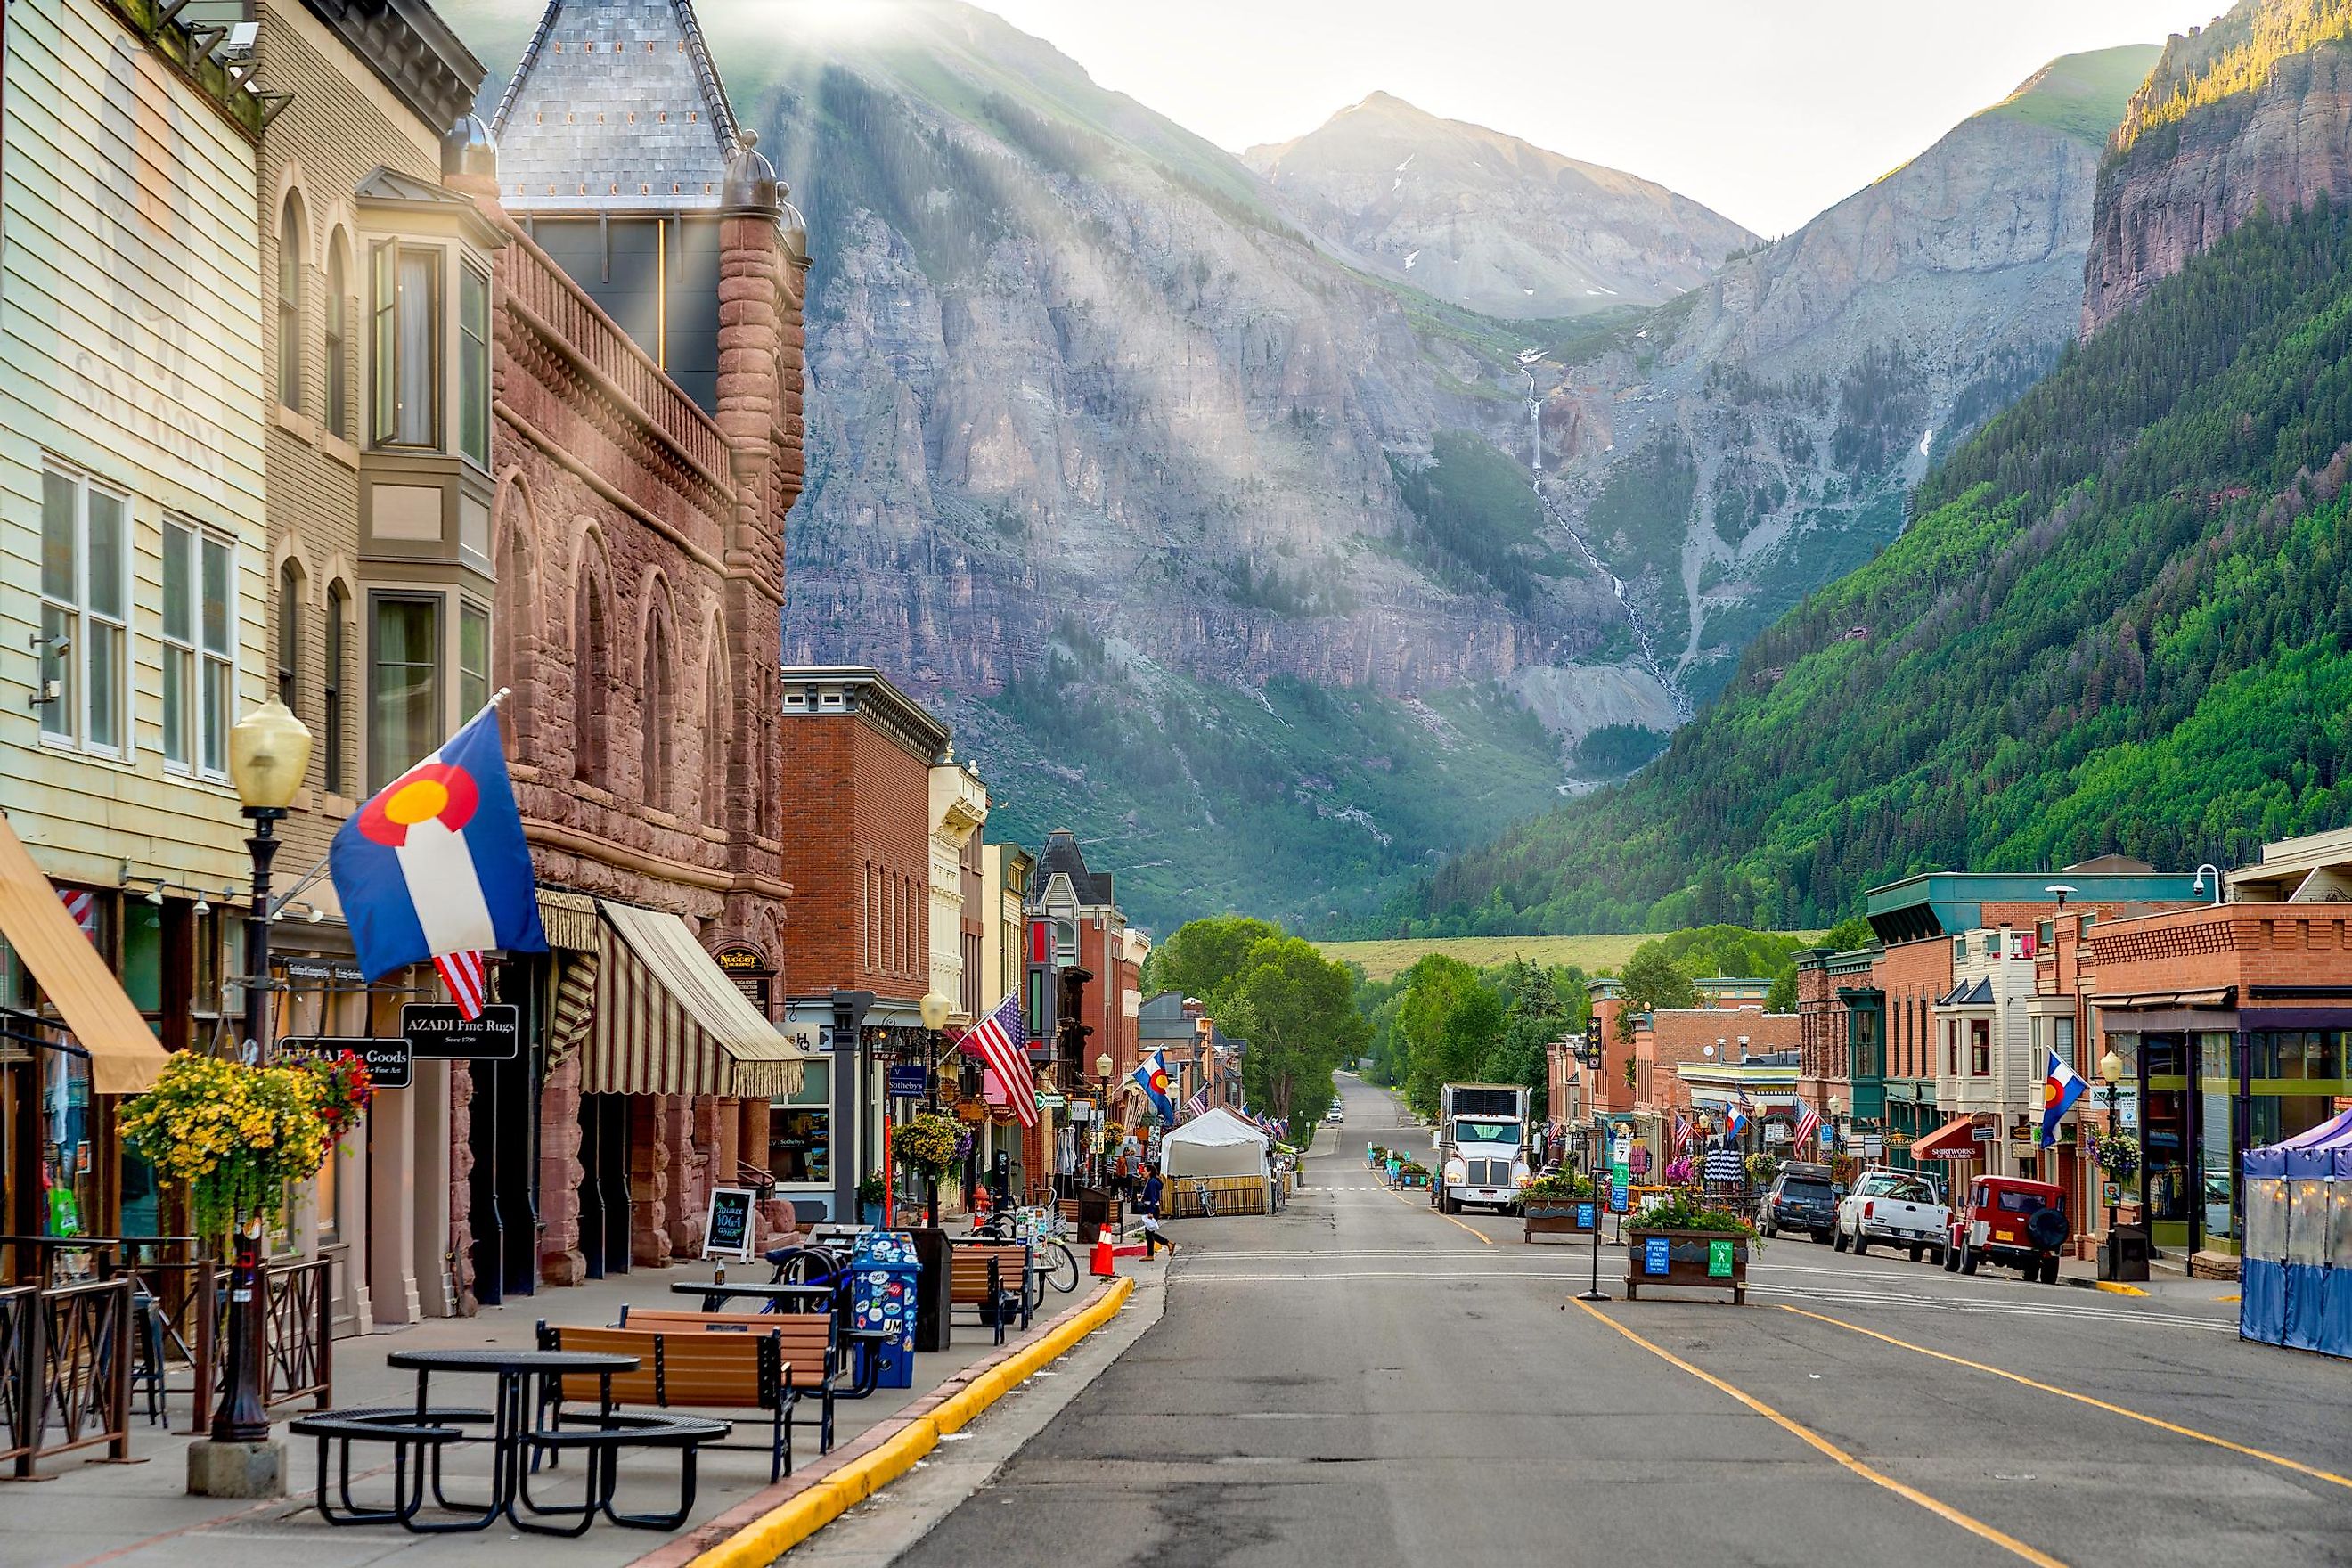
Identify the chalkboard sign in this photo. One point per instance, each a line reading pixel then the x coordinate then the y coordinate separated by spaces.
pixel 727 1233
pixel 1655 1258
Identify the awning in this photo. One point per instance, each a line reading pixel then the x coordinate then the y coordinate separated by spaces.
pixel 669 1021
pixel 1954 1140
pixel 125 1057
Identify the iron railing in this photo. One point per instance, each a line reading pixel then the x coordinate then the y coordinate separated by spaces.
pixel 65 1367
pixel 297 1360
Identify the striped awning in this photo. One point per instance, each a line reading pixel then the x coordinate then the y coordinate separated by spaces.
pixel 667 1020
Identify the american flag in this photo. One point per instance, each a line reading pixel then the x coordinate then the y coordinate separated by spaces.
pixel 468 987
pixel 1002 1042
pixel 1682 1131
pixel 1198 1103
pixel 1809 1125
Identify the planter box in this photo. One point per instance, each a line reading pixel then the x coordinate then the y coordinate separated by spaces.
pixel 1559 1220
pixel 1693 1258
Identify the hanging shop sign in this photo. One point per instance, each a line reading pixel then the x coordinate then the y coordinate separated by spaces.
pixel 387 1061
pixel 436 1031
pixel 749 968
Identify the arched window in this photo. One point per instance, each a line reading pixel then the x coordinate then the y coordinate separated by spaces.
pixel 657 710
pixel 339 339
pixel 336 715
pixel 591 683
pixel 718 729
pixel 290 635
pixel 289 303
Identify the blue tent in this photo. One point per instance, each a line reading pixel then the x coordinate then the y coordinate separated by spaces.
pixel 2297 1274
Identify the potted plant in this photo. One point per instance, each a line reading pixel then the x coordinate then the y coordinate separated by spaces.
pixel 236 1136
pixel 2118 1153
pixel 1681 1239
pixel 925 1146
pixel 1761 1169
pixel 871 1189
pixel 1556 1204
pixel 1412 1174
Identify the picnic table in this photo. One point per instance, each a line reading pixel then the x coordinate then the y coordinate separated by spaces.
pixel 522 1375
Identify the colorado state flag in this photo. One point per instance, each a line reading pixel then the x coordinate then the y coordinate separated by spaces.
pixel 435 864
pixel 1151 1072
pixel 2061 1087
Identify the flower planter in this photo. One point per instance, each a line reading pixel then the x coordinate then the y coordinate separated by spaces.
pixel 1691 1258
pixel 1558 1219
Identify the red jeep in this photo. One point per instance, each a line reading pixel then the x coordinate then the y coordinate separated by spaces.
pixel 2010 1221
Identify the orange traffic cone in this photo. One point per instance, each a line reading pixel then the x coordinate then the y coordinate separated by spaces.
pixel 1104 1264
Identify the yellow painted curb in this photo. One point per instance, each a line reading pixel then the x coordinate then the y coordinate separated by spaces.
pixel 2114 1287
pixel 790 1523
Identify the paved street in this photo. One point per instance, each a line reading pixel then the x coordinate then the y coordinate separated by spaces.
pixel 1363 1381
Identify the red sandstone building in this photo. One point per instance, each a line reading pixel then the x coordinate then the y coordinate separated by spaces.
pixel 644 323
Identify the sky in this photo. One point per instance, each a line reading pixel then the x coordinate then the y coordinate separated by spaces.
pixel 1767 111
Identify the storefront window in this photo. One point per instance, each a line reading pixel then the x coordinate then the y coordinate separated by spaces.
pixel 800 1129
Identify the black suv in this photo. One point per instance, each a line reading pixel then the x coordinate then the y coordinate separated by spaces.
pixel 1801 1199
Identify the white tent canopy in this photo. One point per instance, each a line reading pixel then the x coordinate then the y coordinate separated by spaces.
pixel 1213 1143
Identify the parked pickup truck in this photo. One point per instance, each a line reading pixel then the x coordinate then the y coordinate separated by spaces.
pixel 1900 1208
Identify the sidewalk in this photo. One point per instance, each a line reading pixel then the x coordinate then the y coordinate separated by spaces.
pixel 138 1515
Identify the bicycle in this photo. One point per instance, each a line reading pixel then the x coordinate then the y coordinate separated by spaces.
pixel 1056 1265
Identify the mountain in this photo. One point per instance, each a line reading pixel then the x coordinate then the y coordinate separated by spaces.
pixel 1755 436
pixel 1179 517
pixel 2254 111
pixel 2121 623
pixel 1487 221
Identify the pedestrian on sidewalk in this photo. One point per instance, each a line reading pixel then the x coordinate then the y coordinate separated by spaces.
pixel 1154 1238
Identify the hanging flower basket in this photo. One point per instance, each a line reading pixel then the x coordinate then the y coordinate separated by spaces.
pixel 927 1145
pixel 233 1135
pixel 2118 1154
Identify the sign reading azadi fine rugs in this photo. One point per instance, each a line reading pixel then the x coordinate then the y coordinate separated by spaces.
pixel 436 1031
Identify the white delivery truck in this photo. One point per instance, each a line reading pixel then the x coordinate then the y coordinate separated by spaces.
pixel 1482 1153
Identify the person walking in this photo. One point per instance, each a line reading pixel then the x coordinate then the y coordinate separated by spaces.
pixel 1148 1206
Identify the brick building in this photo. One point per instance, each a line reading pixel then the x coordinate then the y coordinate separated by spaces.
pixel 2231 1026
pixel 644 450
pixel 377 635
pixel 857 849
pixel 1076 923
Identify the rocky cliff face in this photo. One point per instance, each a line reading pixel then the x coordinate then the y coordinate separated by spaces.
pixel 1757 436
pixel 1489 222
pixel 2254 111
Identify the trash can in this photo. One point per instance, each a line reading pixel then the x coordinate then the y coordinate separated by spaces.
pixel 1096 1208
pixel 882 1274
pixel 2124 1256
pixel 934 1291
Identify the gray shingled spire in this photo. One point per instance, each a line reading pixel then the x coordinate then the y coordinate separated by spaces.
pixel 615 107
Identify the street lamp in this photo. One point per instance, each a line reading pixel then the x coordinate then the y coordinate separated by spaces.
pixel 1103 1065
pixel 935 1009
pixel 268 752
pixel 2199 885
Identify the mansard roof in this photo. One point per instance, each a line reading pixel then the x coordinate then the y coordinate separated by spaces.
pixel 615 106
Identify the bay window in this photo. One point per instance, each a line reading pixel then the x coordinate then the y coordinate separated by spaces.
pixel 407 346
pixel 405 684
pixel 85 598
pixel 473 659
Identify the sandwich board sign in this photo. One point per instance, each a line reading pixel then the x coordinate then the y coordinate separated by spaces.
pixel 727 1230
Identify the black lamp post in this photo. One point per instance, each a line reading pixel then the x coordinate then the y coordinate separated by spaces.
pixel 1103 1065
pixel 2111 1077
pixel 935 1010
pixel 268 752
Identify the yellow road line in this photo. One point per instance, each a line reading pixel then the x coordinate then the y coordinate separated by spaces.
pixel 1446 1217
pixel 1813 1440
pixel 2279 1459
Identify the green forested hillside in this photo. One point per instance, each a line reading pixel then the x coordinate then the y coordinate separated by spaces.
pixel 2121 622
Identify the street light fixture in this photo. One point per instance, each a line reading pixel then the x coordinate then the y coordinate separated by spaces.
pixel 2199 885
pixel 1103 1064
pixel 934 1009
pixel 2111 1075
pixel 268 752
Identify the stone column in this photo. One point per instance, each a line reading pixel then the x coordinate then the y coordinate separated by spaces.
pixel 461 1189
pixel 649 1163
pixel 561 1261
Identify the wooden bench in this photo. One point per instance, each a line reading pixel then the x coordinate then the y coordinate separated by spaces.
pixel 814 1359
pixel 992 1278
pixel 701 1371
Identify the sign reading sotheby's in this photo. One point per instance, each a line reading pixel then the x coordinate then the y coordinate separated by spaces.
pixel 436 1031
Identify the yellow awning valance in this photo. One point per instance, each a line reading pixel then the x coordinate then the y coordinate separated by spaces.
pixel 125 1057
